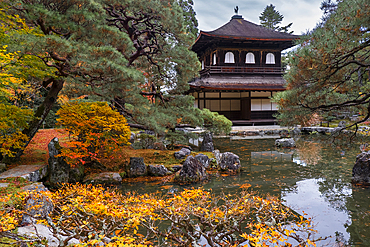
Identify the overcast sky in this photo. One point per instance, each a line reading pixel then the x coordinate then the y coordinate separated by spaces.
pixel 304 14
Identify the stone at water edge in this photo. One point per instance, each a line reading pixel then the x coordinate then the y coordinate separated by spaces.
pixel 192 171
pixel 285 143
pixel 58 169
pixel 207 143
pixel 137 167
pixel 361 169
pixel 217 155
pixel 158 170
pixel 230 161
pixel 203 159
pixel 104 178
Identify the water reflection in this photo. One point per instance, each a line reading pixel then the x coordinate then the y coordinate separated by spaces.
pixel 314 178
pixel 308 199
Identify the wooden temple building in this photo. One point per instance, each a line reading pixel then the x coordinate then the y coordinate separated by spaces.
pixel 241 70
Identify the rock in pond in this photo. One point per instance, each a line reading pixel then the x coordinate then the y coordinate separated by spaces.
pixel 361 169
pixel 192 171
pixel 203 159
pixel 285 143
pixel 137 167
pixel 207 143
pixel 230 162
pixel 104 178
pixel 158 170
pixel 217 155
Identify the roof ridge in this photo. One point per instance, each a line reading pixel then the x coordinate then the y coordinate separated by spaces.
pixel 239 27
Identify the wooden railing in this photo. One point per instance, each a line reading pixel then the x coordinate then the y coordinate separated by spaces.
pixel 240 70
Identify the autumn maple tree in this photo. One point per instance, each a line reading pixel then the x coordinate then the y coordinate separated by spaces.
pixel 95 131
pixel 329 71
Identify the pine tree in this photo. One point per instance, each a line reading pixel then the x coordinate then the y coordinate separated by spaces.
pixel 329 72
pixel 132 53
pixel 271 19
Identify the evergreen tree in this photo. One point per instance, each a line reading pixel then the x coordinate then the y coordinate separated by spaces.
pixel 329 72
pixel 191 22
pixel 271 19
pixel 133 53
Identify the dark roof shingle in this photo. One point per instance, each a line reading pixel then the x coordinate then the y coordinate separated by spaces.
pixel 238 27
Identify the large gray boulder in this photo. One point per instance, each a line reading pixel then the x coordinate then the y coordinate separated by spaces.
pixel 361 169
pixel 182 153
pixel 192 171
pixel 158 170
pixel 42 232
pixel 36 205
pixel 58 169
pixel 203 159
pixel 137 167
pixel 285 143
pixel 230 162
pixel 207 143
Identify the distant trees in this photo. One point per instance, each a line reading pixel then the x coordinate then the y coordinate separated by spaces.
pixel 271 18
pixel 330 70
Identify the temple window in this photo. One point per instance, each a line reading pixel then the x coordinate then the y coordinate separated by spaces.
pixel 249 58
pixel 214 59
pixel 270 58
pixel 229 57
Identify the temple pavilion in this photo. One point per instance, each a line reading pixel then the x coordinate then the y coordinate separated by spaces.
pixel 241 70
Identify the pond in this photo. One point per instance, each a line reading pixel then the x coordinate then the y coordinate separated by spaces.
pixel 314 179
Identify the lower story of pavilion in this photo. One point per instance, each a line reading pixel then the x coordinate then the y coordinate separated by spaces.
pixel 241 107
pixel 243 100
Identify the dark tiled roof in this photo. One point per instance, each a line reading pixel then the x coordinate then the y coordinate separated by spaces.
pixel 241 87
pixel 239 83
pixel 245 33
pixel 238 27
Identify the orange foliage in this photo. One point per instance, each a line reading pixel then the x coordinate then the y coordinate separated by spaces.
pixel 96 216
pixel 96 131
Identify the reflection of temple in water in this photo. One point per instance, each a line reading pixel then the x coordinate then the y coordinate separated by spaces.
pixel 270 160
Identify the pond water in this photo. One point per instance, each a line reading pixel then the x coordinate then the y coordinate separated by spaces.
pixel 314 179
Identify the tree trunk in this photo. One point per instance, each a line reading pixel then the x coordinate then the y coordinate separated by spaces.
pixel 41 113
